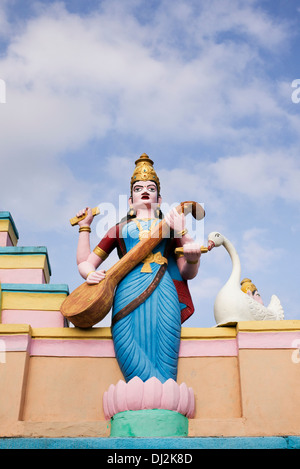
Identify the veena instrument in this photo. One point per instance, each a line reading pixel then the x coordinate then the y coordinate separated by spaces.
pixel 89 304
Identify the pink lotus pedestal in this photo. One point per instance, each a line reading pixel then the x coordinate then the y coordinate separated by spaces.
pixel 149 408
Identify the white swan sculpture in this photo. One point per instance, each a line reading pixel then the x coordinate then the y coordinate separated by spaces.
pixel 233 305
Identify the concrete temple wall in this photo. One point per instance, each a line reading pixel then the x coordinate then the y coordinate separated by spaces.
pixel 246 380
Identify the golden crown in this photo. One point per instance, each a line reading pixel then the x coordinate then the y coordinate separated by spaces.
pixel 144 171
pixel 246 285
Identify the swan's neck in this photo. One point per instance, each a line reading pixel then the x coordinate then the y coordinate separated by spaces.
pixel 235 276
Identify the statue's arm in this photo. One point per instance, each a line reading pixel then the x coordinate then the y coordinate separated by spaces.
pixel 87 269
pixel 189 263
pixel 83 246
pixel 87 261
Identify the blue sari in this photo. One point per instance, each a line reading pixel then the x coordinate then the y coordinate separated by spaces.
pixel 147 339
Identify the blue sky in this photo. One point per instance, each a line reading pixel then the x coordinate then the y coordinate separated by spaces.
pixel 204 88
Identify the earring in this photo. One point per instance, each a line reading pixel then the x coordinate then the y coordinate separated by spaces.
pixel 132 212
pixel 157 211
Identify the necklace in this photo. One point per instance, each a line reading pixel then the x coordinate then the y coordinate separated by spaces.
pixel 142 232
pixel 157 257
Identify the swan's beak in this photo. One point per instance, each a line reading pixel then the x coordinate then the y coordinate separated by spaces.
pixel 211 245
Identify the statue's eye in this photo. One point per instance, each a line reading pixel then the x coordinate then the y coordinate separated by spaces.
pixel 217 235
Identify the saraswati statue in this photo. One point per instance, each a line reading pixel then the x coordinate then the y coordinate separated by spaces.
pixel 147 289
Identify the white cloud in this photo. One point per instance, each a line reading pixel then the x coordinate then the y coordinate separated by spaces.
pixel 4 24
pixel 241 20
pixel 260 175
pixel 258 252
pixel 72 79
pixel 260 179
pixel 135 84
pixel 209 288
pixel 244 17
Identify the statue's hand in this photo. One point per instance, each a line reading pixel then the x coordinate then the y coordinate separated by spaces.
pixel 192 252
pixel 95 277
pixel 88 219
pixel 175 221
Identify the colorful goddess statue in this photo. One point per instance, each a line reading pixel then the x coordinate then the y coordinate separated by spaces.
pixel 153 299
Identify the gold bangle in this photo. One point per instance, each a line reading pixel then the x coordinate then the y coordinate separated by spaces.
pixel 193 262
pixel 182 233
pixel 100 253
pixel 85 228
pixel 91 272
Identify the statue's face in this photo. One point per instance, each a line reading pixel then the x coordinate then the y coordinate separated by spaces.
pixel 144 194
pixel 257 297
